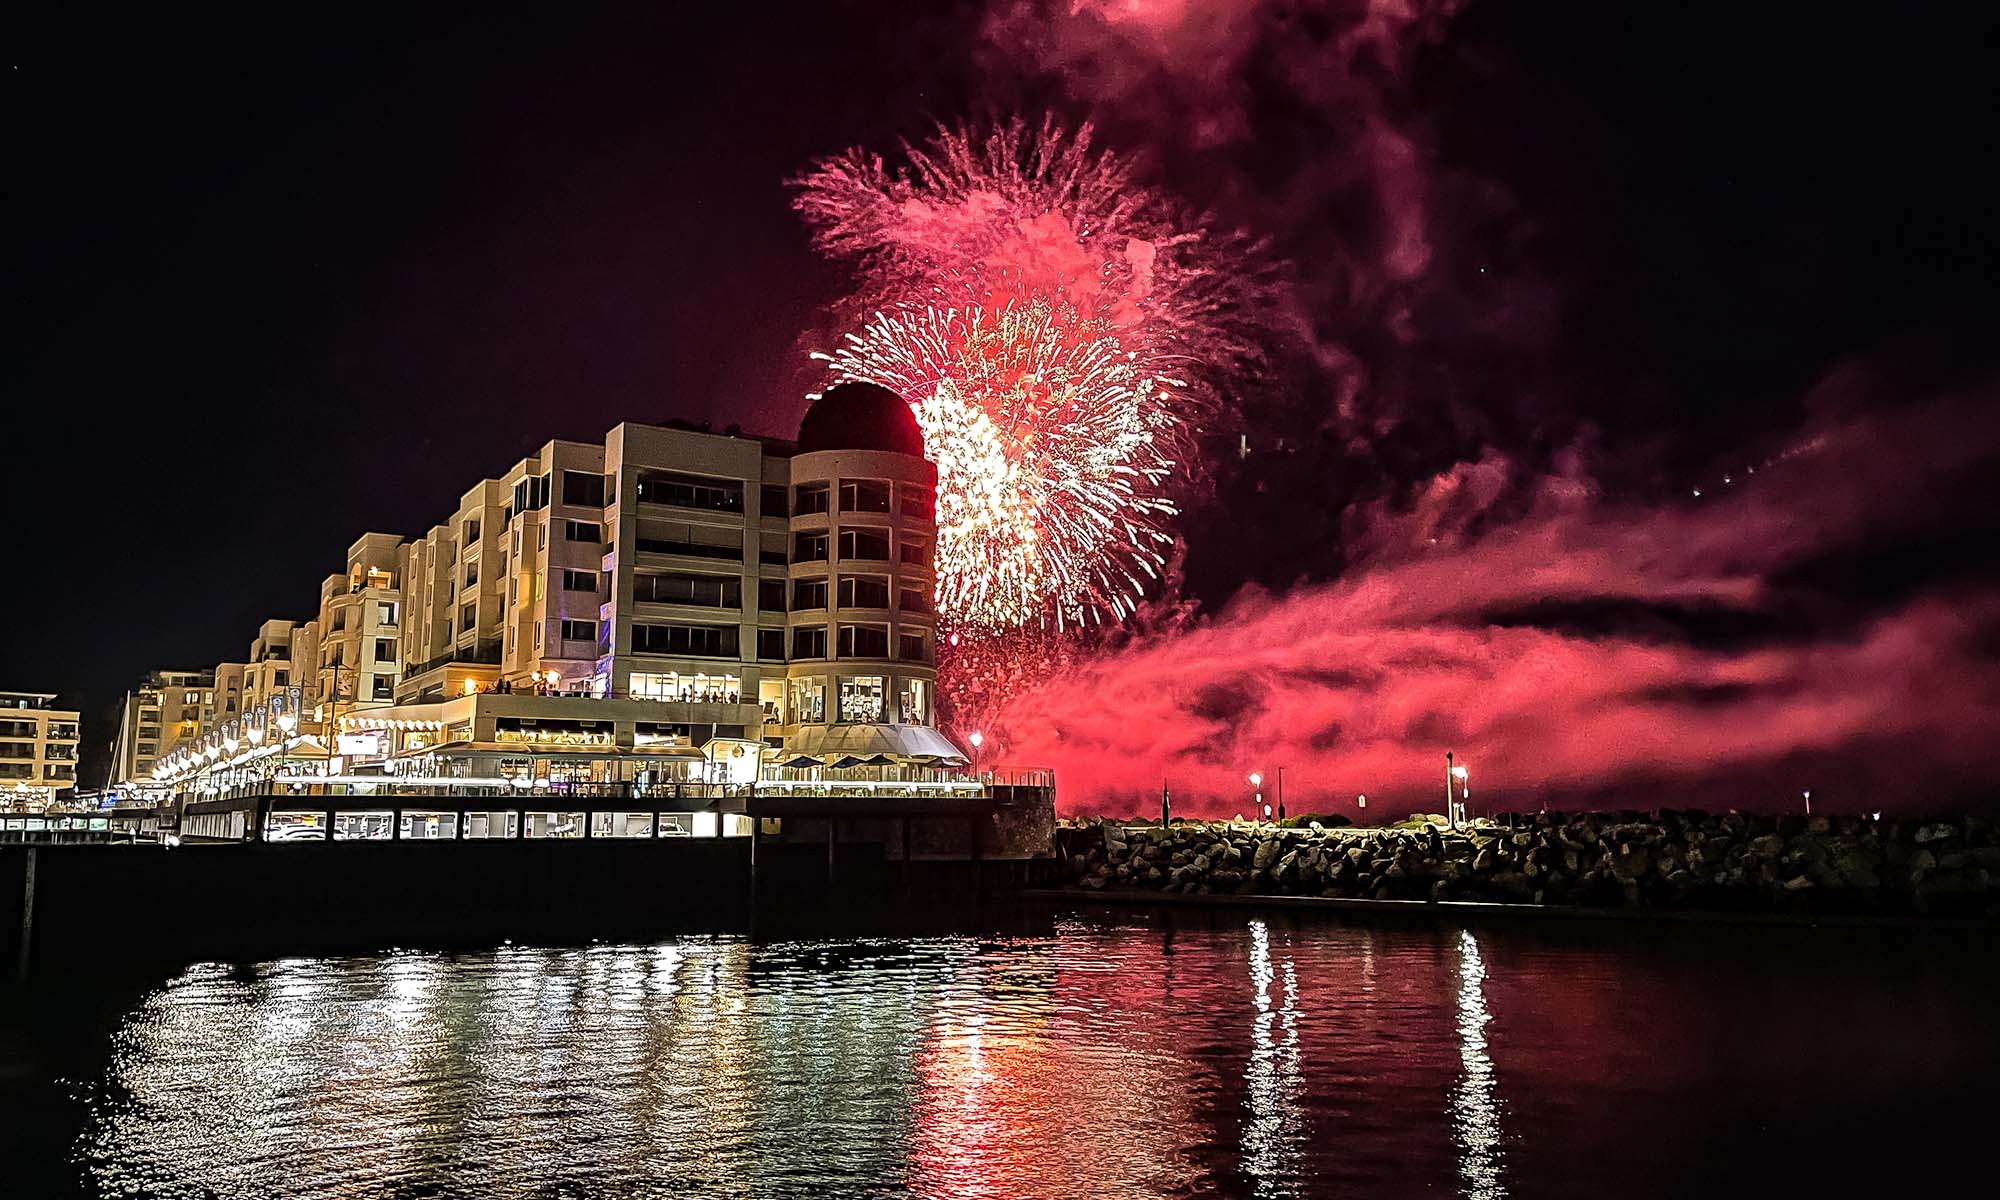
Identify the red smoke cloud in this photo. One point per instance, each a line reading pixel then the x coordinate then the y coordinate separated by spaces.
pixel 1575 651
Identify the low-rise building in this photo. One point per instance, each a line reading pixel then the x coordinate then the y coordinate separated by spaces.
pixel 37 752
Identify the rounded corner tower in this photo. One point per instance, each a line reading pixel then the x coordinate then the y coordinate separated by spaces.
pixel 860 416
pixel 862 626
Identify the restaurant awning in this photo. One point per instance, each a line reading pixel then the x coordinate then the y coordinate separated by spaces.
pixel 897 743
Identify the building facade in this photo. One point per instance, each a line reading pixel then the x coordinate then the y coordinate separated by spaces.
pixel 668 597
pixel 37 751
pixel 167 709
pixel 356 639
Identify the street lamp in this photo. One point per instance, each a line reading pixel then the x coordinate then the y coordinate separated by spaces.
pixel 1454 798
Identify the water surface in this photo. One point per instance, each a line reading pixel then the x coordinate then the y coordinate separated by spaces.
pixel 1096 1054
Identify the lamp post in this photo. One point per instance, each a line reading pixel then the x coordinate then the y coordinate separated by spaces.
pixel 1261 811
pixel 1454 804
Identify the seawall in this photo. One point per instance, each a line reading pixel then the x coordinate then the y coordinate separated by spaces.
pixel 93 905
pixel 1669 860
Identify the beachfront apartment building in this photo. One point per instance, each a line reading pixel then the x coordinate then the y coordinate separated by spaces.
pixel 228 704
pixel 270 670
pixel 37 751
pixel 666 590
pixel 354 644
pixel 746 586
pixel 167 709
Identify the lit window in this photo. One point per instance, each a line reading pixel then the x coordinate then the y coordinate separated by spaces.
pixel 861 699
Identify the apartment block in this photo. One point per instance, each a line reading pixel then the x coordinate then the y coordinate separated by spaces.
pixel 355 641
pixel 166 710
pixel 37 751
pixel 668 604
pixel 747 586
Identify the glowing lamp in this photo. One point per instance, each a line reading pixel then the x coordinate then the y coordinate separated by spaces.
pixel 1256 779
pixel 977 739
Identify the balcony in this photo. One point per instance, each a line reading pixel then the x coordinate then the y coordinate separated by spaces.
pixel 690 549
pixel 483 654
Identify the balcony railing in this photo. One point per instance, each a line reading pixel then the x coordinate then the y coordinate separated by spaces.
pixel 482 654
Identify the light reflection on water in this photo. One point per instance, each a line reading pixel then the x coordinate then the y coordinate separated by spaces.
pixel 1474 1107
pixel 1112 1057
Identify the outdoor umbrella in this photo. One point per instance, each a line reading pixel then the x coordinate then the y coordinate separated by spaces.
pixel 803 760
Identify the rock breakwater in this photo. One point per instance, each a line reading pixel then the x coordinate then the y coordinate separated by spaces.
pixel 1666 859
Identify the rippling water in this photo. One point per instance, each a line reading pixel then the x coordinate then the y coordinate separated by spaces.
pixel 1108 1055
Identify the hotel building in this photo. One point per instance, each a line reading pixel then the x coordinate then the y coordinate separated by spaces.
pixel 669 605
pixel 37 751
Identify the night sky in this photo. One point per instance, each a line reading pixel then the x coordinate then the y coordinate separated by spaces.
pixel 274 285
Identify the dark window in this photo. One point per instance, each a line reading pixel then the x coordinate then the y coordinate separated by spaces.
pixel 385 650
pixel 910 647
pixel 471 573
pixel 771 595
pixel 809 642
pixel 864 641
pixel 467 619
pixel 919 500
pixel 705 641
pixel 694 541
pixel 809 547
pixel 872 544
pixel 808 594
pixel 772 498
pixel 916 552
pixel 580 581
pixel 914 601
pixel 579 631
pixel 709 591
pixel 471 531
pixel 585 488
pixel 583 531
pixel 690 491
pixel 281 678
pixel 864 495
pixel 531 493
pixel 864 591
pixel 771 644
pixel 809 498
pixel 384 688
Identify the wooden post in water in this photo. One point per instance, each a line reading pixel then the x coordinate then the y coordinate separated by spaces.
pixel 906 859
pixel 27 914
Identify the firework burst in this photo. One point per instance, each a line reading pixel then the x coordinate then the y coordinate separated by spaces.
pixel 1050 461
pixel 1062 332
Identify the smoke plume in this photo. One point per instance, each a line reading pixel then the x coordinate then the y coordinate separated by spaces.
pixel 1711 651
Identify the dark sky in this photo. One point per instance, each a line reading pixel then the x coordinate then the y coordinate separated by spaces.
pixel 273 285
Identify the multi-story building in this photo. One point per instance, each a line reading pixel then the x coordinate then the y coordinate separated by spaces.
pixel 765 583
pixel 37 751
pixel 356 636
pixel 623 611
pixel 270 670
pixel 228 691
pixel 167 709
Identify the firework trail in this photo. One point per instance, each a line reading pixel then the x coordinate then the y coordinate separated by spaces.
pixel 1062 332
